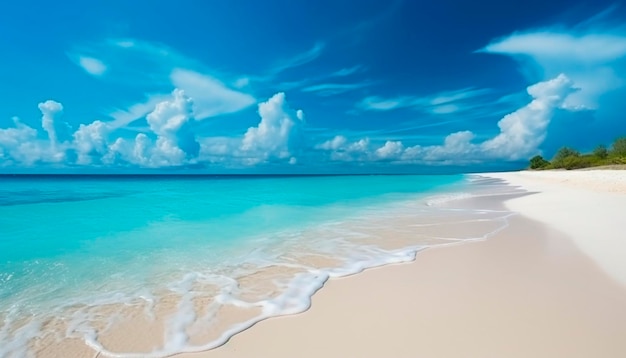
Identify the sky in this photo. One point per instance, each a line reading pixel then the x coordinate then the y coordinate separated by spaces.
pixel 286 86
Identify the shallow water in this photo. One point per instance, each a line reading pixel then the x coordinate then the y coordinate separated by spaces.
pixel 200 258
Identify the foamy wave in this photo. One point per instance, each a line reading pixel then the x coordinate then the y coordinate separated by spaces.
pixel 444 198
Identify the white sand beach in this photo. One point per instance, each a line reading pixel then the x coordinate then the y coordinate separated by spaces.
pixel 550 285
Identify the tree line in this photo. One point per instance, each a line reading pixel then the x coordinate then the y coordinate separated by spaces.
pixel 569 158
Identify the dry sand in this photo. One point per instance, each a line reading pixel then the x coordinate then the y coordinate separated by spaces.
pixel 589 206
pixel 550 285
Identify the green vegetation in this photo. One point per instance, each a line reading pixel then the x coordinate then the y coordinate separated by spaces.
pixel 569 158
pixel 601 152
pixel 537 162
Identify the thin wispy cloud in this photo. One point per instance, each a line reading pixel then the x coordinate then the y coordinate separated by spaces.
pixel 439 103
pixel 92 65
pixel 348 71
pixel 592 56
pixel 299 59
pixel 158 69
pixel 332 89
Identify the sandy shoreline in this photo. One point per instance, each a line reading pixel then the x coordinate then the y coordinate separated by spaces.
pixel 536 289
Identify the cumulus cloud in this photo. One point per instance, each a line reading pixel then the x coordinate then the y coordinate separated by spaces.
pixel 276 134
pixel 172 123
pixel 170 139
pixel 333 144
pixel 341 149
pixel 390 150
pixel 50 111
pixel 90 141
pixel 521 133
pixel 12 139
pixel 20 145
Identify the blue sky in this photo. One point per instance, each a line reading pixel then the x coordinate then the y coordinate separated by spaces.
pixel 306 86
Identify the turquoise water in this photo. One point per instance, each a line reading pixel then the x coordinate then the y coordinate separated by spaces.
pixel 91 240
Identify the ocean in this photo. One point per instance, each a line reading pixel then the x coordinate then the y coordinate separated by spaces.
pixel 83 258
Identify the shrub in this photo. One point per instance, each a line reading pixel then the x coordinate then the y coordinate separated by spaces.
pixel 601 152
pixel 619 147
pixel 565 158
pixel 576 162
pixel 569 158
pixel 537 162
pixel 564 153
pixel 618 160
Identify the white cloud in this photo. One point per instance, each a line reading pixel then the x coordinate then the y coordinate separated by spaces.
pixel 447 97
pixel 331 89
pixel 50 110
pixel 172 122
pixel 341 149
pixel 521 133
pixel 90 141
pixel 360 146
pixel 12 138
pixel 390 150
pixel 169 116
pixel 153 70
pixel 170 139
pixel 276 134
pixel 123 117
pixel 92 65
pixel 594 58
pixel 348 71
pixel 299 59
pixel 242 82
pixel 375 103
pixel 445 109
pixel 140 150
pixel 333 144
pixel 211 97
pixel 439 103
pixel 547 46
pixel 20 146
